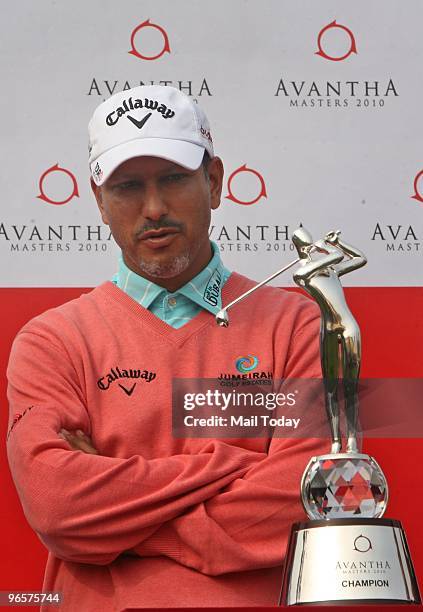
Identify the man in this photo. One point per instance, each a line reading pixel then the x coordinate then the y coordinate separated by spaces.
pixel 132 516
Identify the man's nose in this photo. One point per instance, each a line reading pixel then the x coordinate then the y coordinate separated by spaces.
pixel 154 206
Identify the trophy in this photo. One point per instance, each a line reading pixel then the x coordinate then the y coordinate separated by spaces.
pixel 346 553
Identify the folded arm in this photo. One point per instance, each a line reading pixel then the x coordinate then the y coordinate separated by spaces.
pixel 246 526
pixel 86 507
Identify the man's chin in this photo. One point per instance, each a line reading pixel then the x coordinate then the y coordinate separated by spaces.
pixel 165 269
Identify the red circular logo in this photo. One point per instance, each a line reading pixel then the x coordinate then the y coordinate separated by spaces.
pixel 262 186
pixel 417 195
pixel 148 24
pixel 324 31
pixel 43 196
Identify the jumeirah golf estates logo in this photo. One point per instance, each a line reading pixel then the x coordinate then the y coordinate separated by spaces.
pixel 246 364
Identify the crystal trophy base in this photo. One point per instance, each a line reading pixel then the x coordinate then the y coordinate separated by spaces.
pixel 347 554
pixel 349 561
pixel 344 485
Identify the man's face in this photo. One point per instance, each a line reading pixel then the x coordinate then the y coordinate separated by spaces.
pixel 159 215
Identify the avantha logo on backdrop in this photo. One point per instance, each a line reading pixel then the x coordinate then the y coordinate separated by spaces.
pixel 68 188
pixel 397 238
pixel 260 187
pixel 324 34
pixel 58 238
pixel 417 194
pixel 149 41
pixel 253 238
pixel 336 43
pixel 137 41
pixel 107 87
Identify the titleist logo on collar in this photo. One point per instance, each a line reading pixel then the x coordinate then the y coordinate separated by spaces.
pixel 130 105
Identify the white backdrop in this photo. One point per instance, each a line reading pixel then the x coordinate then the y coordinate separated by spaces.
pixel 332 140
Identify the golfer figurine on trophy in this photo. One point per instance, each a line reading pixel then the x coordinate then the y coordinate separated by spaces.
pixel 340 341
pixel 346 553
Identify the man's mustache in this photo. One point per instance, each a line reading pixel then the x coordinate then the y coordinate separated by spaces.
pixel 157 225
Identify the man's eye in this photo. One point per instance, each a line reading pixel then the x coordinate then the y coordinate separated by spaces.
pixel 174 178
pixel 127 185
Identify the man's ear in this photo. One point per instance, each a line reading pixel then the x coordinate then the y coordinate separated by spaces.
pixel 96 189
pixel 215 171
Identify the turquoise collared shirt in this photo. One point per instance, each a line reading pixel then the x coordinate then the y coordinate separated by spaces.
pixel 176 309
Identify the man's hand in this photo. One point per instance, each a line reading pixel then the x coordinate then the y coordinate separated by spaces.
pixel 78 441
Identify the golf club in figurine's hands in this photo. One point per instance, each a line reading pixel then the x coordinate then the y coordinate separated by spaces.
pixel 346 553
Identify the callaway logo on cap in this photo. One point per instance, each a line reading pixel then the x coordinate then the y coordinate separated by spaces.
pixel 148 120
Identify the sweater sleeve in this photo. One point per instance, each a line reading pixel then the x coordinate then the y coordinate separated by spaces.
pixel 247 525
pixel 90 508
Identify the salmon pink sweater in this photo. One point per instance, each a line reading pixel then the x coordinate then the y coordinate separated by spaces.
pixel 154 520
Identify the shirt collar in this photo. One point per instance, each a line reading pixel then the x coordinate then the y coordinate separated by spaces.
pixel 204 289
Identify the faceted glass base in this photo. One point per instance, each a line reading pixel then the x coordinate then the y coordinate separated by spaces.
pixel 344 485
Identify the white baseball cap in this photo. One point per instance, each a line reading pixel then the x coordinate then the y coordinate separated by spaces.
pixel 154 120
